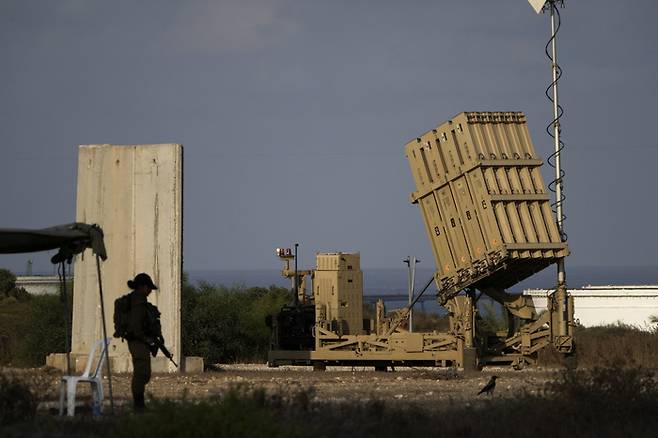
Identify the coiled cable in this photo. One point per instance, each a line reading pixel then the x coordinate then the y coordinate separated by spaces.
pixel 555 122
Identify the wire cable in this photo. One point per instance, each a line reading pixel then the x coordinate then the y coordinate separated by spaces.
pixel 555 122
pixel 63 297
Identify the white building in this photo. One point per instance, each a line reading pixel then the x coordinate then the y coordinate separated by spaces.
pixel 603 305
pixel 41 284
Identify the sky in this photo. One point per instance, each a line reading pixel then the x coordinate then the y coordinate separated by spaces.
pixel 294 113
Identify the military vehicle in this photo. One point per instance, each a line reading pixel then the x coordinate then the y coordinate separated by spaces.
pixel 489 221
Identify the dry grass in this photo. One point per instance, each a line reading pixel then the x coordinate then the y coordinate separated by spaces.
pixel 610 346
pixel 600 402
pixel 616 344
pixel 427 322
pixel 17 401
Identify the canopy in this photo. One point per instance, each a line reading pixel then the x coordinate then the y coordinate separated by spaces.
pixel 70 239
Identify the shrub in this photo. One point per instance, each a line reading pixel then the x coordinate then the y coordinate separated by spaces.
pixel 46 333
pixel 228 324
pixel 218 323
pixel 609 346
pixel 614 345
pixel 8 286
pixel 602 402
pixel 7 282
pixel 31 329
pixel 615 391
pixel 653 319
pixel 427 322
pixel 493 316
pixel 17 403
pixel 238 413
pixel 593 403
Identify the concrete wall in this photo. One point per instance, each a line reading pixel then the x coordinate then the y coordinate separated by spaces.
pixel 603 305
pixel 135 193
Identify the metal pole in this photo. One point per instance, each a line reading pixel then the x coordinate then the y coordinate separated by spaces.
pixel 407 261
pixel 411 286
pixel 65 300
pixel 296 280
pixel 561 292
pixel 105 343
pixel 395 325
pixel 412 282
pixel 409 291
pixel 561 274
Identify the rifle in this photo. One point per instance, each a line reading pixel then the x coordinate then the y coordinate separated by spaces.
pixel 167 354
pixel 158 344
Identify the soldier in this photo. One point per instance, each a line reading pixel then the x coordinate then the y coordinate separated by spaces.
pixel 144 334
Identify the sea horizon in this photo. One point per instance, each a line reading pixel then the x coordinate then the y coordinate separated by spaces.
pixel 393 281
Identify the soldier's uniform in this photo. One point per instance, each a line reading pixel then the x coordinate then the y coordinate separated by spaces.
pixel 144 332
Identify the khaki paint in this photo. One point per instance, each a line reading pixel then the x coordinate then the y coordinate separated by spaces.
pixel 480 170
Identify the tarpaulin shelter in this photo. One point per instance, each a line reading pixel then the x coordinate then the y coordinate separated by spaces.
pixel 69 240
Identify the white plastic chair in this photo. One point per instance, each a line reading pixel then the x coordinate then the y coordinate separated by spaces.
pixel 68 384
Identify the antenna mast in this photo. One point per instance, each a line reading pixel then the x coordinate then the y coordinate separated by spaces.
pixel 554 129
pixel 557 113
pixel 559 300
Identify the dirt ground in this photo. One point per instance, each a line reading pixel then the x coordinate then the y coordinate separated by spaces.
pixel 417 386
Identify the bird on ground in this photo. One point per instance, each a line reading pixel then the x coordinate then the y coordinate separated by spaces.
pixel 489 387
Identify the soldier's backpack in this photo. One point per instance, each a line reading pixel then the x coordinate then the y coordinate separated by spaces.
pixel 122 316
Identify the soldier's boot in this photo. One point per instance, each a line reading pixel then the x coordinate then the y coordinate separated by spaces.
pixel 138 403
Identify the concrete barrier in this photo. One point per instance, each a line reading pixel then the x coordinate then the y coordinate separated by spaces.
pixel 135 194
